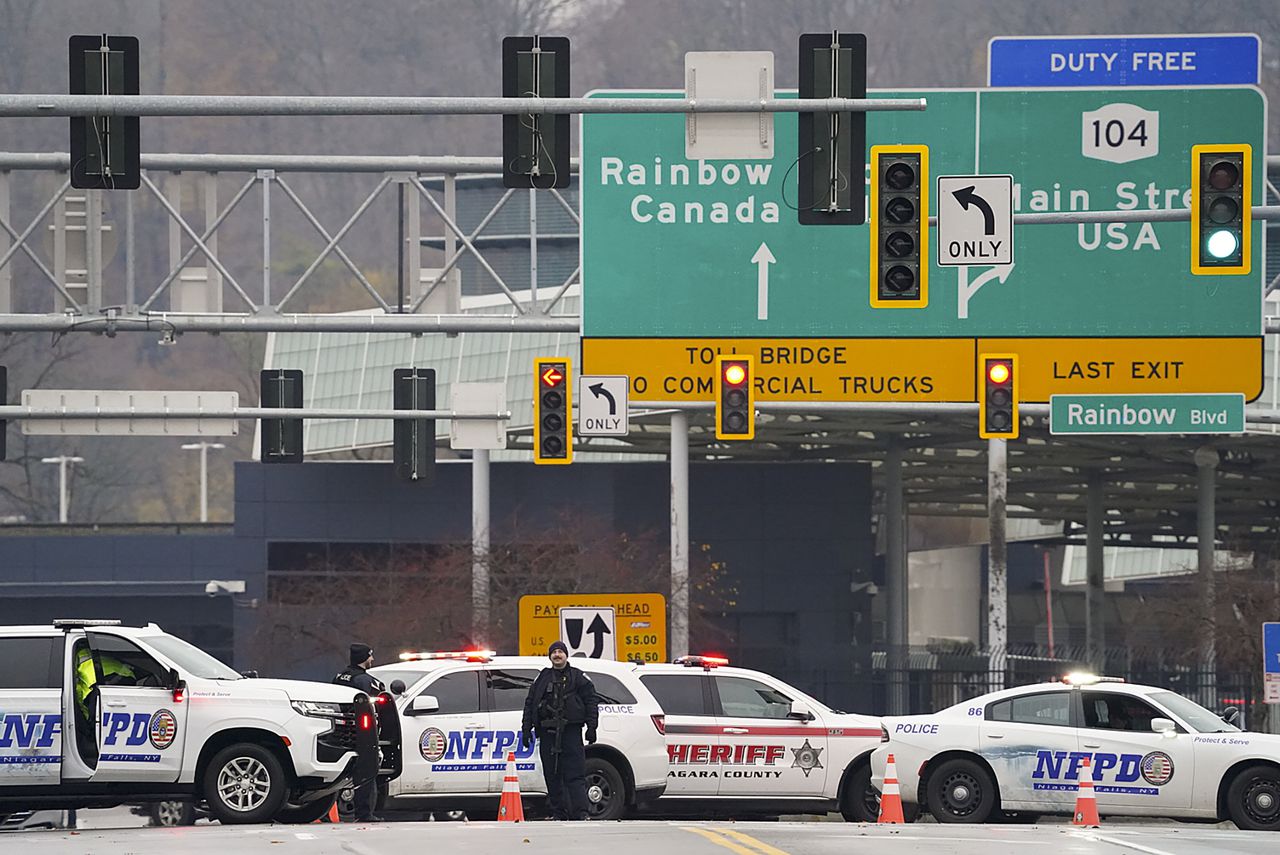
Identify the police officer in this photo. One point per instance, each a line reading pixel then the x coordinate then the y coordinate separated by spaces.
pixel 561 701
pixel 356 676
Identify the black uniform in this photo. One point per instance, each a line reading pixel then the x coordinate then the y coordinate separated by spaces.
pixel 559 704
pixel 366 796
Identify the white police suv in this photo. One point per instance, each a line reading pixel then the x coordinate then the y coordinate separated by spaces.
pixel 460 715
pixel 161 719
pixel 742 742
pixel 1151 752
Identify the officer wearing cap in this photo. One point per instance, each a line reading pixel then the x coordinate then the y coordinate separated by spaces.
pixel 562 702
pixel 357 677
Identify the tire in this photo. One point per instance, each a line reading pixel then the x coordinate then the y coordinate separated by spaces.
pixel 1253 799
pixel 606 793
pixel 310 812
pixel 244 783
pixel 961 791
pixel 172 814
pixel 861 801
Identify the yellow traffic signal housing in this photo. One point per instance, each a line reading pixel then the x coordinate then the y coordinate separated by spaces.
pixel 552 411
pixel 735 398
pixel 1221 215
pixel 998 396
pixel 899 226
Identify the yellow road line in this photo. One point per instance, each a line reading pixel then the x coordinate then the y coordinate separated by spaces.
pixel 725 837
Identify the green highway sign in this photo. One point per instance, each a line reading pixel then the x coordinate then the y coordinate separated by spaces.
pixel 1117 414
pixel 672 247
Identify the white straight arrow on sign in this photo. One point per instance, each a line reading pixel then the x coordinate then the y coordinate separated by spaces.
pixel 762 259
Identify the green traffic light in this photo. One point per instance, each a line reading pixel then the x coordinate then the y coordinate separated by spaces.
pixel 1223 243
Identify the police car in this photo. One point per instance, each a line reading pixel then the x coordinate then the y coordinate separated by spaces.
pixel 460 714
pixel 1151 753
pixel 742 742
pixel 166 720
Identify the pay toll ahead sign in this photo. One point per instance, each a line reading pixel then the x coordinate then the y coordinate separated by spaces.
pixel 633 626
pixel 685 254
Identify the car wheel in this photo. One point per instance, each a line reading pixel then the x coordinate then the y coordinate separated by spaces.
pixel 861 801
pixel 244 783
pixel 961 791
pixel 300 814
pixel 173 813
pixel 1253 799
pixel 606 794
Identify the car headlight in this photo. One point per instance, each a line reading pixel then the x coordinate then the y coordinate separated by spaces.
pixel 319 709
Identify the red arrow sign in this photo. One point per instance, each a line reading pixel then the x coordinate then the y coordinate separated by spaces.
pixel 552 375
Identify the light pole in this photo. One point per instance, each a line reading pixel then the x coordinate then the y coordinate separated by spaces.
pixel 204 473
pixel 62 460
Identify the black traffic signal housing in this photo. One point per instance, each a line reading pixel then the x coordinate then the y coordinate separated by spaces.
pixel 899 226
pixel 998 401
pixel 281 438
pixel 552 409
pixel 414 440
pixel 832 146
pixel 106 151
pixel 1221 219
pixel 535 146
pixel 735 398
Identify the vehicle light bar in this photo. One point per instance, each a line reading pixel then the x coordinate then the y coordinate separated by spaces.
pixel 1082 678
pixel 704 662
pixel 78 623
pixel 459 655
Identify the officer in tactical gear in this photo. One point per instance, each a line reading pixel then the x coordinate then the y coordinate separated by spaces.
pixel 114 673
pixel 561 702
pixel 356 676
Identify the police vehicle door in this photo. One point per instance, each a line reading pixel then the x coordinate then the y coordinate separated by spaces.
pixel 692 732
pixel 507 689
pixel 762 750
pixel 448 750
pixel 1032 746
pixel 141 719
pixel 31 680
pixel 1133 765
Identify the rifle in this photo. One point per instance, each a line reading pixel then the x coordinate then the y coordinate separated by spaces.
pixel 556 720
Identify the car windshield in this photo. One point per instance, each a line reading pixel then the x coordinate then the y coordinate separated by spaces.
pixel 191 659
pixel 1193 714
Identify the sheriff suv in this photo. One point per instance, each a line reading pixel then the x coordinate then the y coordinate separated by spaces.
pixel 460 717
pixel 742 742
pixel 95 714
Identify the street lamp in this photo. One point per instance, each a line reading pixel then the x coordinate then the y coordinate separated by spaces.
pixel 62 460
pixel 204 473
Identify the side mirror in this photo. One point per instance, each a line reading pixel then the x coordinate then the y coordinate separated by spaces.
pixel 424 704
pixel 397 687
pixel 1164 726
pixel 801 710
pixel 174 679
pixel 252 675
pixel 1231 715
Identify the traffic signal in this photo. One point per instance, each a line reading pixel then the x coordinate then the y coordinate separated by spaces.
pixel 414 440
pixel 735 398
pixel 998 406
pixel 899 226
pixel 281 438
pixel 1221 180
pixel 535 146
pixel 833 146
pixel 106 152
pixel 552 405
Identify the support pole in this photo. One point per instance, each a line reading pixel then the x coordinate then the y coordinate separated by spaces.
pixel 1095 630
pixel 679 535
pixel 895 572
pixel 480 546
pixel 1206 459
pixel 997 562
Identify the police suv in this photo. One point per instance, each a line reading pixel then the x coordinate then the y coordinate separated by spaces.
pixel 95 714
pixel 461 714
pixel 743 742
pixel 1151 753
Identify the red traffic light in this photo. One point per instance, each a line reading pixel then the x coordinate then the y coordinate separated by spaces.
pixel 999 373
pixel 552 375
pixel 735 373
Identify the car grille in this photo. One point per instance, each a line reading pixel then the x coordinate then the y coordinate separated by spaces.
pixel 340 740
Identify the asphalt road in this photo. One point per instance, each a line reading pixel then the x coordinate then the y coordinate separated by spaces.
pixel 646 838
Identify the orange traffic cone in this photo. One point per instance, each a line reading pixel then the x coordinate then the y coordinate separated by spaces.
pixel 1086 801
pixel 332 815
pixel 511 809
pixel 891 797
